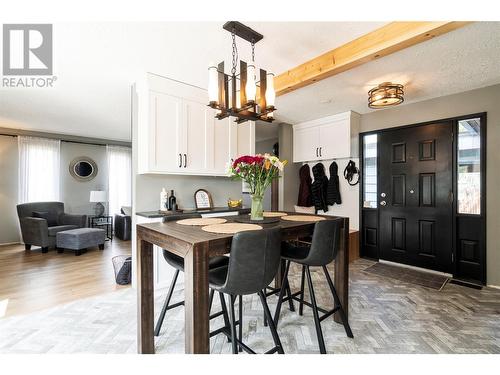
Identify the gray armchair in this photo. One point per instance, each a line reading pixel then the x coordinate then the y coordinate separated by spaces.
pixel 41 221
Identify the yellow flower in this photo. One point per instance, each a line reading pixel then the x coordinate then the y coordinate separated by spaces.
pixel 267 164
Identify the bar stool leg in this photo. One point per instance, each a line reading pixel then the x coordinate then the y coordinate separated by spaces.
pixel 282 292
pixel 165 305
pixel 210 300
pixel 302 280
pixel 232 319
pixel 225 315
pixel 240 318
pixel 317 322
pixel 272 327
pixel 336 299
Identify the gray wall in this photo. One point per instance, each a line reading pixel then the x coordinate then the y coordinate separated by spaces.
pixel 262 147
pixel 470 102
pixel 289 182
pixel 148 188
pixel 75 194
pixel 9 231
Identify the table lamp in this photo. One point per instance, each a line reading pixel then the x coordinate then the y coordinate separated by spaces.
pixel 98 196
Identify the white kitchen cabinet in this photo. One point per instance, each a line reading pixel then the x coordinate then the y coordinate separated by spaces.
pixel 179 134
pixel 332 137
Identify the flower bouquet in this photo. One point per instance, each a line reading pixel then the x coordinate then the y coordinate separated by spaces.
pixel 258 172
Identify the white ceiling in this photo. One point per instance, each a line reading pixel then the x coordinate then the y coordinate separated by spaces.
pixel 96 64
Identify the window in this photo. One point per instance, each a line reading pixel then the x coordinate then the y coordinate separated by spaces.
pixel 469 166
pixel 38 169
pixel 120 178
pixel 370 171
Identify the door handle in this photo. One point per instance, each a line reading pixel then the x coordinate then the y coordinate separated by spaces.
pixel 320 151
pixel 317 152
pixel 185 160
pixel 180 160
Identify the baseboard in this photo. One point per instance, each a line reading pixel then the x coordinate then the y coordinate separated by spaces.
pixel 10 243
pixel 493 286
pixel 416 268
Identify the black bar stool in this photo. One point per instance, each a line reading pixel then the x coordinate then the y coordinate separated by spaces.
pixel 253 263
pixel 178 263
pixel 322 251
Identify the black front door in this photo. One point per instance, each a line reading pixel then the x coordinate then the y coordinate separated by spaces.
pixel 415 195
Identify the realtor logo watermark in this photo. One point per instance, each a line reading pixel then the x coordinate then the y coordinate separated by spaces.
pixel 27 55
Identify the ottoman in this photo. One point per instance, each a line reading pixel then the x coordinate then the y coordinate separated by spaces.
pixel 80 239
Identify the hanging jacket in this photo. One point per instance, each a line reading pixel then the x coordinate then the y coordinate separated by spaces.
pixel 305 199
pixel 333 195
pixel 319 188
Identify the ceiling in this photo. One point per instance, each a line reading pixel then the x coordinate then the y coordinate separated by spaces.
pixel 96 63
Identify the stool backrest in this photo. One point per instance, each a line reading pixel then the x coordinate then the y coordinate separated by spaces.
pixel 253 261
pixel 325 243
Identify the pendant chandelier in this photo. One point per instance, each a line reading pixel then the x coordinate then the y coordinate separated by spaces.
pixel 385 95
pixel 241 94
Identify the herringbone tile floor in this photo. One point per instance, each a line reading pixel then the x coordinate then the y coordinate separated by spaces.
pixel 385 318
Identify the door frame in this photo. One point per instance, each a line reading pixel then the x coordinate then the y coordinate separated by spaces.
pixel 454 120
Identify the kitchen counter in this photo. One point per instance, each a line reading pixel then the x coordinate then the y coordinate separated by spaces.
pixel 215 210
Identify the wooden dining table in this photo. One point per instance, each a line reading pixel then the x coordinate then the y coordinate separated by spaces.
pixel 196 247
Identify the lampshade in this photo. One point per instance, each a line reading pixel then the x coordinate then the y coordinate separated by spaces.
pixel 213 85
pixel 250 88
pixel 270 94
pixel 98 196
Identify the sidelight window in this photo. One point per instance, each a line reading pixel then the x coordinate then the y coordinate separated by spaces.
pixel 469 166
pixel 370 171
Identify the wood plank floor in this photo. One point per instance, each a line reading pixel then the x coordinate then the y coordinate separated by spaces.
pixel 31 281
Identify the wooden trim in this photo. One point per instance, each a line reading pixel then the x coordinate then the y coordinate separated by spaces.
pixel 388 39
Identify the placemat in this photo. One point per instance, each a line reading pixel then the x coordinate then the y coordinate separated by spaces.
pixel 230 228
pixel 302 218
pixel 274 214
pixel 201 221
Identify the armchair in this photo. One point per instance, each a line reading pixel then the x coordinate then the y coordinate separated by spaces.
pixel 42 232
pixel 123 224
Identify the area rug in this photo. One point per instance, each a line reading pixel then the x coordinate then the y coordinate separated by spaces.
pixel 408 275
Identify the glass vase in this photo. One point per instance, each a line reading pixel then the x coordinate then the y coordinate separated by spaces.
pixel 257 210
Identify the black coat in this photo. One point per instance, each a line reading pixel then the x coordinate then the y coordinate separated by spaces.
pixel 305 198
pixel 333 195
pixel 319 188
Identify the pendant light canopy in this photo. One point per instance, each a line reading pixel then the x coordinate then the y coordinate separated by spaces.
pixel 384 95
pixel 247 94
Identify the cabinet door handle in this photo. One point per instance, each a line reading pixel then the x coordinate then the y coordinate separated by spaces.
pixel 320 151
pixel 180 160
pixel 317 152
pixel 185 160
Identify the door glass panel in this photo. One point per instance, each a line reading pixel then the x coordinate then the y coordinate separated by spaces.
pixel 370 171
pixel 469 166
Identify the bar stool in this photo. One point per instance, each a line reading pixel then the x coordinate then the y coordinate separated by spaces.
pixel 322 251
pixel 253 263
pixel 178 263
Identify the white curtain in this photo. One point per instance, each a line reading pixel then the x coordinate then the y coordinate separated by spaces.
pixel 39 166
pixel 120 177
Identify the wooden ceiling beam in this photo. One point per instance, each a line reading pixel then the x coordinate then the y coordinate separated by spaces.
pixel 381 42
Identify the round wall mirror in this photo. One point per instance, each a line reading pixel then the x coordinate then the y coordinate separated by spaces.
pixel 83 168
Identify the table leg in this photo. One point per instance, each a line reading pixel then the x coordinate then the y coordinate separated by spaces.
pixel 145 297
pixel 196 299
pixel 279 274
pixel 342 271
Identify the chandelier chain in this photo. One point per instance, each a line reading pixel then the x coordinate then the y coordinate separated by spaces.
pixel 235 53
pixel 253 50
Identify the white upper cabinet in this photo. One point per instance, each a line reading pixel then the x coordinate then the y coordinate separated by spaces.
pixel 179 134
pixel 332 137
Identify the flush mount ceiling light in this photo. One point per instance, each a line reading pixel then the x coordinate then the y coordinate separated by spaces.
pixel 241 94
pixel 385 95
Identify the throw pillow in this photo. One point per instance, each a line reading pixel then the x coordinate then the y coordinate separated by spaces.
pixel 126 210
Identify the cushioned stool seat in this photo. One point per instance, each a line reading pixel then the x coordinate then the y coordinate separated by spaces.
pixel 81 238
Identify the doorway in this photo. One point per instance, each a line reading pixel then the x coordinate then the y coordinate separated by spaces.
pixel 423 196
